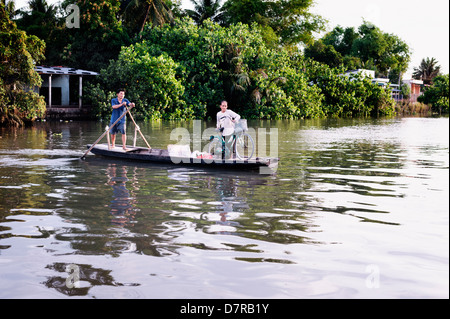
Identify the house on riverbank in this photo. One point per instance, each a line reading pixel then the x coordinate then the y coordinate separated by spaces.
pixel 62 88
pixel 415 86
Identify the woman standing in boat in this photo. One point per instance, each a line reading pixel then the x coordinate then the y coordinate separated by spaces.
pixel 119 105
pixel 226 119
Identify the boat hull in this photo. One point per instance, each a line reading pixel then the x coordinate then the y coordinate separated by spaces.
pixel 162 156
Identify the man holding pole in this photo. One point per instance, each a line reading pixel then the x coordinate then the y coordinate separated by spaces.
pixel 119 106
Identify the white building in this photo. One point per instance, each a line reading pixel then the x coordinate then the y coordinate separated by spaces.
pixel 367 73
pixel 62 87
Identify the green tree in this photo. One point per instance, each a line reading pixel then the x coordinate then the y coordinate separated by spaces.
pixel 289 20
pixel 369 48
pixel 370 45
pixel 437 95
pixel 427 70
pixel 244 11
pixel 387 52
pixel 39 20
pixel 18 55
pixel 150 81
pixel 177 9
pixel 184 70
pixel 395 59
pixel 205 9
pixel 348 96
pixel 44 21
pixel 324 53
pixel 341 39
pixel 211 63
pixel 99 38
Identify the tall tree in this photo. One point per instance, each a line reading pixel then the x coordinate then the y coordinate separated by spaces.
pixel 324 53
pixel 368 48
pixel 138 12
pixel 41 20
pixel 387 52
pixel 205 9
pixel 427 70
pixel 341 39
pixel 99 38
pixel 18 55
pixel 289 20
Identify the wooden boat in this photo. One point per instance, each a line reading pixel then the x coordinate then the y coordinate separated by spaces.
pixel 163 156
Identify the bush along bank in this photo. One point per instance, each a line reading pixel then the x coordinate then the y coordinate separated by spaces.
pixel 183 71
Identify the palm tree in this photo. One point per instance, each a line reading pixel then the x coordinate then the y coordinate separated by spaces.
pixel 40 6
pixel 204 9
pixel 40 19
pixel 138 12
pixel 10 7
pixel 427 70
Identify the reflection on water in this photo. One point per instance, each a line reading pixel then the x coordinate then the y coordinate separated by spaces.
pixel 122 204
pixel 88 277
pixel 346 195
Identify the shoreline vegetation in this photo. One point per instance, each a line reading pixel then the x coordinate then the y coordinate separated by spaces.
pixel 179 68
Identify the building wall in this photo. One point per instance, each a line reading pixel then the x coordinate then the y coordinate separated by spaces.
pixel 415 88
pixel 59 81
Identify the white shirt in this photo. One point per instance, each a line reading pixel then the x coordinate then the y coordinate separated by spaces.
pixel 228 114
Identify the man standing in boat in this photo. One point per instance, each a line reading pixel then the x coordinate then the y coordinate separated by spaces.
pixel 119 105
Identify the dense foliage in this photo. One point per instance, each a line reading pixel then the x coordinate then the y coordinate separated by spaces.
pixel 99 37
pixel 185 70
pixel 18 55
pixel 366 48
pixel 346 96
pixel 280 21
pixel 177 68
pixel 437 95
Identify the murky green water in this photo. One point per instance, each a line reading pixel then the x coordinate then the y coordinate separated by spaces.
pixel 356 209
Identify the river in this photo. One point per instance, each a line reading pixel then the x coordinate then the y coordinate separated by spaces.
pixel 357 208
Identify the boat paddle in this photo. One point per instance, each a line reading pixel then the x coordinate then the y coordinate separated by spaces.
pixel 142 135
pixel 106 132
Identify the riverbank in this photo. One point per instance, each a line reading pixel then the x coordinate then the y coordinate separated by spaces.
pixel 405 108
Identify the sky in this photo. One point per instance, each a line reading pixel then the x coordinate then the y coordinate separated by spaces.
pixel 423 25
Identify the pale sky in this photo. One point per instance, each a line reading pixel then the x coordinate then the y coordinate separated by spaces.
pixel 423 25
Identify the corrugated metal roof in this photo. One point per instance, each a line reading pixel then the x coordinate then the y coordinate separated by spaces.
pixel 62 70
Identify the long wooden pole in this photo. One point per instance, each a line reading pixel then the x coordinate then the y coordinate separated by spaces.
pixel 106 132
pixel 142 135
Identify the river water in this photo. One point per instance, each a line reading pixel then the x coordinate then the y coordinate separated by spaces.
pixel 356 209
